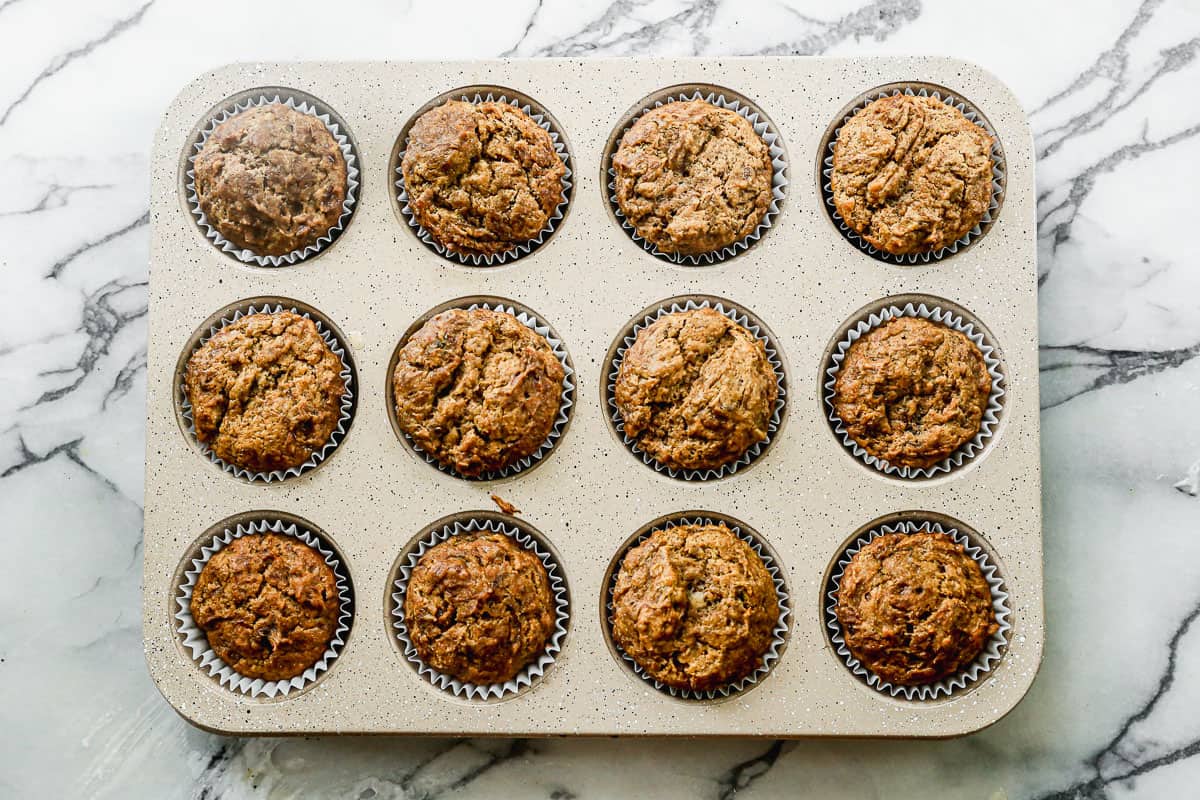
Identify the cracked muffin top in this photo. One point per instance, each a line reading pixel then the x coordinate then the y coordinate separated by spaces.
pixel 696 390
pixel 481 178
pixel 692 177
pixel 271 179
pixel 268 604
pixel 478 608
pixel 695 607
pixel 266 391
pixel 914 608
pixel 911 174
pixel 477 390
pixel 910 391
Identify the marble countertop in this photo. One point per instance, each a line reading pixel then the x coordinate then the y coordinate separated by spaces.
pixel 1112 714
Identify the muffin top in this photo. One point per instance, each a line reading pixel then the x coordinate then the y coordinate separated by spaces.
pixel 695 390
pixel 268 604
pixel 692 177
pixel 271 179
pixel 478 608
pixel 477 390
pixel 912 391
pixel 694 606
pixel 914 608
pixel 266 391
pixel 481 178
pixel 911 174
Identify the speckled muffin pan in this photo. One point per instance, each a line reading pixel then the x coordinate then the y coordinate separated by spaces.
pixel 807 495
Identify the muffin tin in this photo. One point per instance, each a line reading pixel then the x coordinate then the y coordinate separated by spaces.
pixel 806 496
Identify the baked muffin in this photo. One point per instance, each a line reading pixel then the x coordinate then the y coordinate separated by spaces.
pixel 914 608
pixel 692 177
pixel 695 607
pixel 911 174
pixel 478 608
pixel 268 604
pixel 266 391
pixel 477 390
pixel 912 391
pixel 696 390
pixel 481 178
pixel 271 179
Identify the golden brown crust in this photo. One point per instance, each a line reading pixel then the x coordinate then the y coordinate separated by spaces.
pixel 268 604
pixel 911 391
pixel 477 390
pixel 914 608
pixel 271 179
pixel 266 391
pixel 911 174
pixel 478 608
pixel 695 607
pixel 696 390
pixel 481 178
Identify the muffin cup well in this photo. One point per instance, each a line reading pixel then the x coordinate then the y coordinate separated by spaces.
pixel 723 98
pixel 195 640
pixel 919 90
pixel 743 318
pixel 566 397
pixel 546 122
pixel 774 568
pixel 991 415
pixel 483 522
pixel 305 104
pixel 233 314
pixel 977 669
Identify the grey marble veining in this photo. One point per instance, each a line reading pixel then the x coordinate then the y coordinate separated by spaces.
pixel 1108 89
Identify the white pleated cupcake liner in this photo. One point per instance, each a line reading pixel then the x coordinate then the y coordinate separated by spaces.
pixel 779 633
pixel 566 401
pixel 335 438
pixel 528 674
pixel 951 320
pixel 779 180
pixel 196 641
pixel 739 316
pixel 983 664
pixel 538 115
pixel 305 105
pixel 998 178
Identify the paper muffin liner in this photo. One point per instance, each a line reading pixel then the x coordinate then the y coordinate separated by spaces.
pixel 739 316
pixel 779 633
pixel 528 674
pixel 779 180
pixel 298 102
pixel 538 115
pixel 196 641
pixel 566 399
pixel 339 431
pixel 998 176
pixel 950 319
pixel 987 659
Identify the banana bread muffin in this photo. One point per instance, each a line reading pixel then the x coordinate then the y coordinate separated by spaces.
pixel 477 390
pixel 478 608
pixel 271 179
pixel 914 608
pixel 910 391
pixel 696 390
pixel 911 174
pixel 694 606
pixel 481 178
pixel 692 177
pixel 268 604
pixel 266 391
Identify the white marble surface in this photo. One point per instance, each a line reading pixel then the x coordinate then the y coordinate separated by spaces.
pixel 1110 88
